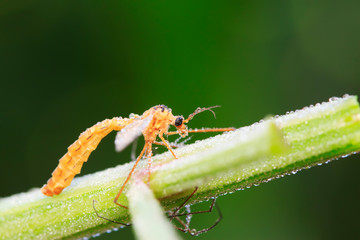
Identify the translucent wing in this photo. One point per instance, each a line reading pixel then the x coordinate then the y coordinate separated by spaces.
pixel 129 133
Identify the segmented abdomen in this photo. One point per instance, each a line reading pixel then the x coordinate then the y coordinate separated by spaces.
pixel 78 153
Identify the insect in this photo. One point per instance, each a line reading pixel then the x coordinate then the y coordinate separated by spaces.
pixel 153 123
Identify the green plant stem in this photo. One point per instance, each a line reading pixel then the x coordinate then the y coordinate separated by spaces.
pixel 71 214
pixel 218 165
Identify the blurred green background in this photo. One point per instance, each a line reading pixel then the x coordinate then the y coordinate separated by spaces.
pixel 66 65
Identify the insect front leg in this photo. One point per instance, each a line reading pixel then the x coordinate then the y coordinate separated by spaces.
pixel 205 130
pixel 167 145
pixel 170 144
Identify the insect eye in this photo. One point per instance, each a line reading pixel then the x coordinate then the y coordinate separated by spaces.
pixel 178 121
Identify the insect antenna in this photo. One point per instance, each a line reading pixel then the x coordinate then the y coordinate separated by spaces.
pixel 199 110
pixel 110 220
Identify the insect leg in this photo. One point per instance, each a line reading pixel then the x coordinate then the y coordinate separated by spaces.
pixel 149 155
pixel 176 212
pixel 167 145
pixel 194 232
pixel 213 203
pixel 163 144
pixel 184 203
pixel 186 226
pixel 113 221
pixel 128 177
pixel 173 214
pixel 211 130
pixel 206 130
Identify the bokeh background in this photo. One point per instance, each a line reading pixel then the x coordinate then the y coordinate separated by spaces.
pixel 66 65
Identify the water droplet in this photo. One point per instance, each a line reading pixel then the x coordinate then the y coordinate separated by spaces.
pixel 332 99
pixel 96 235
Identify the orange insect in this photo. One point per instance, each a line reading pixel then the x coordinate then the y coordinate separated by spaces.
pixel 153 123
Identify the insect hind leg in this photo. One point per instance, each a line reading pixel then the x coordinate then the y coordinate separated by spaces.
pixel 175 213
pixel 113 221
pixel 128 177
pixel 192 231
pixel 186 226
